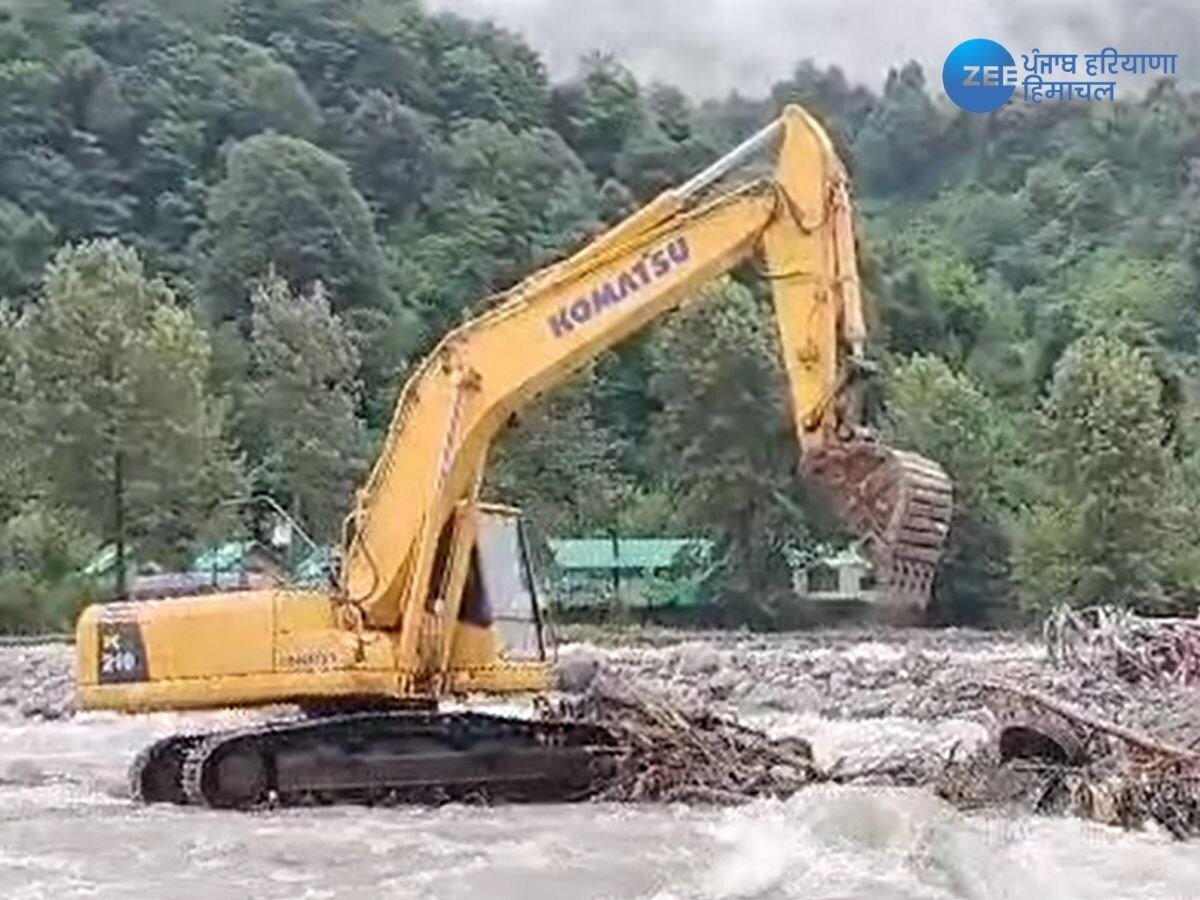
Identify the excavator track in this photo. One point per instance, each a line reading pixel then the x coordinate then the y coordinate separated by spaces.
pixel 900 503
pixel 156 773
pixel 379 757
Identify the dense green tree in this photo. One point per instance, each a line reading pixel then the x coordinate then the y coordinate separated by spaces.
pixel 900 134
pixel 1134 297
pixel 127 433
pixel 42 552
pixel 930 298
pixel 1186 217
pixel 288 206
pixel 651 161
pixel 726 445
pixel 1101 533
pixel 26 244
pixel 53 165
pixel 671 111
pixel 385 342
pixel 981 220
pixel 561 466
pixel 946 417
pixel 299 419
pixel 325 41
pixel 392 151
pixel 91 94
pixel 278 101
pixel 1096 200
pixel 15 481
pixel 483 72
pixel 32 29
pixel 504 203
pixel 599 112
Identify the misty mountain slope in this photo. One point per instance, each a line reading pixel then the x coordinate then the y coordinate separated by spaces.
pixel 715 46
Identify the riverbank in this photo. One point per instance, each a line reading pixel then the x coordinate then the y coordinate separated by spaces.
pixel 857 674
pixel 835 675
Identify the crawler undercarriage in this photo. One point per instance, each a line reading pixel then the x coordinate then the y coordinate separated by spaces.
pixel 376 757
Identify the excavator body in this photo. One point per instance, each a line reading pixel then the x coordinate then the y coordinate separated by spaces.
pixel 248 648
pixel 434 596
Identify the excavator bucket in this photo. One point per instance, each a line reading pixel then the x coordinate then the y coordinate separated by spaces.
pixel 900 503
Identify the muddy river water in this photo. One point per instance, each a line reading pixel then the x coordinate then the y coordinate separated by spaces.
pixel 67 831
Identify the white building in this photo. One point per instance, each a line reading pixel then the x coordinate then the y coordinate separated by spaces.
pixel 846 576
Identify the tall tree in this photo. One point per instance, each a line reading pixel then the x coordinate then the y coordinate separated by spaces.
pixel 42 550
pixel 299 421
pixel 561 466
pixel 392 151
pixel 126 430
pixel 599 112
pixel 948 418
pixel 26 244
pixel 484 72
pixel 726 445
pixel 900 134
pixel 288 206
pixel 15 445
pixel 278 101
pixel 1101 535
pixel 504 203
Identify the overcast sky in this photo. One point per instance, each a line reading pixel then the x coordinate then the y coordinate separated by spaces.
pixel 712 46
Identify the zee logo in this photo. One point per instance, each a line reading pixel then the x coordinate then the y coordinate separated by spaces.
pixel 990 76
pixel 979 75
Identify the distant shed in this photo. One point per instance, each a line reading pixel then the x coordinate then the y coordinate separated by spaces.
pixel 226 566
pixel 840 577
pixel 632 573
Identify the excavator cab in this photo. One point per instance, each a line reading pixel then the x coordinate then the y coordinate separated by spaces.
pixel 502 590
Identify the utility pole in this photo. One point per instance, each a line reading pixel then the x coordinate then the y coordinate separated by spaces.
pixel 616 567
pixel 119 521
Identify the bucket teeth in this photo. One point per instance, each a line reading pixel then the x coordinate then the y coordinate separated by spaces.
pixel 901 505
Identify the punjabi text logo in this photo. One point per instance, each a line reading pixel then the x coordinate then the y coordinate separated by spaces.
pixel 980 75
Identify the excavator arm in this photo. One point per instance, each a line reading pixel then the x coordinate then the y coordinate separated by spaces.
pixel 401 544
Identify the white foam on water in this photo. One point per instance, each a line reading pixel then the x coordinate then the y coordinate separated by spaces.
pixel 904 845
pixel 825 843
pixel 854 744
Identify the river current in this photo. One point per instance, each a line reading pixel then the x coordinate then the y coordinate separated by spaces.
pixel 68 831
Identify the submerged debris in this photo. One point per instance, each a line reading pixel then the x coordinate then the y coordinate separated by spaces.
pixel 1137 649
pixel 1053 757
pixel 1103 790
pixel 669 754
pixel 1119 754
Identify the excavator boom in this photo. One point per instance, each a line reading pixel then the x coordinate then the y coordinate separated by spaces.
pixel 799 223
pixel 431 580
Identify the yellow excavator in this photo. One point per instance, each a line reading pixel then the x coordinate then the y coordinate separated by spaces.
pixel 434 597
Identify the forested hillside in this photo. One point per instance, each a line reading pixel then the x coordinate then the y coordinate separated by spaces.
pixel 228 227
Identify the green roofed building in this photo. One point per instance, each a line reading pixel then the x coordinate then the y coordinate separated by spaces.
pixel 227 557
pixel 632 573
pixel 226 566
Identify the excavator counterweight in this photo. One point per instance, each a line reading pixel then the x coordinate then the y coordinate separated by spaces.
pixel 435 597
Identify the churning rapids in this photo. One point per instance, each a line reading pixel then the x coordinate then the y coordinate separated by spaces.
pixel 67 829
